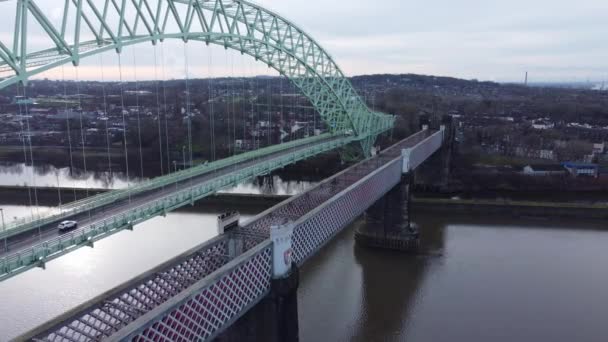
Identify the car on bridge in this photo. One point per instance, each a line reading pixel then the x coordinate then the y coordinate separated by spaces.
pixel 67 225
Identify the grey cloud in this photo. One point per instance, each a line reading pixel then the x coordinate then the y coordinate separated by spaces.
pixel 485 39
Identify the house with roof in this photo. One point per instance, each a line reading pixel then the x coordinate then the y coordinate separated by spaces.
pixel 544 170
pixel 582 169
pixel 599 148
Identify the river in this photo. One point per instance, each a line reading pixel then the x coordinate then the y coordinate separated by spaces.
pixel 476 279
pixel 46 175
pixel 49 176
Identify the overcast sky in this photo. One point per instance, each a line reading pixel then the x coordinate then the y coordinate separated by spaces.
pixel 485 39
pixel 555 40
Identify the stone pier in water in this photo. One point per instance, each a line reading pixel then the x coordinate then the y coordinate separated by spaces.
pixel 388 222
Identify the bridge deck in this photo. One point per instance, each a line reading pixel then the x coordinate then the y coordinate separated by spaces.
pixel 34 246
pixel 229 279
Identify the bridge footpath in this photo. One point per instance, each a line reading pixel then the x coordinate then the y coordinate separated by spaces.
pixel 32 244
pixel 201 293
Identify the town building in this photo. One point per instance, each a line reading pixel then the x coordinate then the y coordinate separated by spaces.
pixel 582 169
pixel 544 170
pixel 599 148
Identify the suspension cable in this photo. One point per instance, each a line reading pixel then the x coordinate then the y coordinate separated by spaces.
pixel 294 102
pixel 232 87
pixel 253 114
pixel 29 135
pixel 226 95
pixel 25 157
pixel 314 119
pixel 254 93
pixel 281 117
pixel 69 130
pixel 141 156
pixel 269 122
pixel 124 126
pixel 105 113
pixel 82 135
pixel 211 110
pixel 244 104
pixel 188 114
pixel 162 51
pixel 160 135
pixel 58 190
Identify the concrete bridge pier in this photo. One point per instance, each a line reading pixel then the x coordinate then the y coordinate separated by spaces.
pixel 388 222
pixel 275 317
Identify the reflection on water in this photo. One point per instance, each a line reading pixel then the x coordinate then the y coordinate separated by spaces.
pixel 492 279
pixel 271 185
pixel 15 212
pixel 349 293
pixel 49 176
pixel 476 279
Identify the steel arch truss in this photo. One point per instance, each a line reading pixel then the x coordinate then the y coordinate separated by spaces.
pixel 89 27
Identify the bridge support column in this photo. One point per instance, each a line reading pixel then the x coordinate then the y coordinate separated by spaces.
pixel 388 221
pixel 274 318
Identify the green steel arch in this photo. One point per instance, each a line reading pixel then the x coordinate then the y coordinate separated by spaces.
pixel 89 27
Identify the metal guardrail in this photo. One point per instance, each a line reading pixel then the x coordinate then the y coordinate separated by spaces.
pixel 92 202
pixel 36 256
pixel 105 314
pixel 313 230
pixel 211 305
pixel 416 155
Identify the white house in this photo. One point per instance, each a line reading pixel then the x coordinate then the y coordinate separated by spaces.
pixel 544 170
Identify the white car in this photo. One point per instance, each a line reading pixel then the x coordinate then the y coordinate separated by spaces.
pixel 67 225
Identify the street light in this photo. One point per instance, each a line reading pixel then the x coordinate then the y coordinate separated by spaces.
pixel 175 168
pixel 4 230
pixel 184 155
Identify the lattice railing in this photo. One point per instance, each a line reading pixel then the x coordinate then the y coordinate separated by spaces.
pixel 416 155
pixel 317 227
pixel 210 305
pixel 128 304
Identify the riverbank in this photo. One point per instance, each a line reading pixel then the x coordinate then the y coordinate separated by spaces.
pixel 511 208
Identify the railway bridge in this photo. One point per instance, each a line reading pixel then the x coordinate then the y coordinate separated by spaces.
pixel 241 284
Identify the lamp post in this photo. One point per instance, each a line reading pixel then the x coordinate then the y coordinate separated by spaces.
pixel 175 168
pixel 4 230
pixel 184 156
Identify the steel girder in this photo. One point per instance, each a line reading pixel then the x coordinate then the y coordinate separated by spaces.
pixel 89 27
